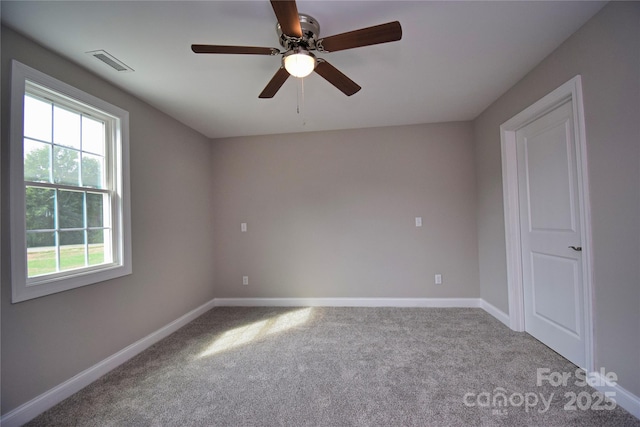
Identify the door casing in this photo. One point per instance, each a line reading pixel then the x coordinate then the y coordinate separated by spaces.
pixel 571 90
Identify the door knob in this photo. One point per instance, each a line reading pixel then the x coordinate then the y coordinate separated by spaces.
pixel 576 248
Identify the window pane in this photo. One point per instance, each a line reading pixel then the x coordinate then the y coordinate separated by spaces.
pixel 95 204
pixel 70 209
pixel 71 249
pixel 41 253
pixel 37 118
pixel 96 246
pixel 66 168
pixel 92 171
pixel 96 236
pixel 92 136
pixel 37 161
pixel 66 127
pixel 40 239
pixel 40 208
pixel 71 238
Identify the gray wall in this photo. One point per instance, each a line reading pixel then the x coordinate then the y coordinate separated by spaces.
pixel 48 340
pixel 606 52
pixel 332 214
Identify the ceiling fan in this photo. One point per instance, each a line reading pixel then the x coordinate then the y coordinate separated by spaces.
pixel 299 34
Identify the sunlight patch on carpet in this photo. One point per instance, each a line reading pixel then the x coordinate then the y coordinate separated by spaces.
pixel 254 331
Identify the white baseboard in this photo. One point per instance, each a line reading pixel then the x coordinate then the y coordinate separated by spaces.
pixel 31 409
pixel 623 398
pixel 347 302
pixel 495 312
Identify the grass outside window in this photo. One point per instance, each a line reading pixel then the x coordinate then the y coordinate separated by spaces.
pixel 43 260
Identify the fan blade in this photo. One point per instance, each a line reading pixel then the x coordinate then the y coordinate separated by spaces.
pixel 275 83
pixel 242 50
pixel 389 32
pixel 336 78
pixel 287 15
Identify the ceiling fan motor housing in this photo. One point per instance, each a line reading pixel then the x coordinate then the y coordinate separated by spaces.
pixel 310 34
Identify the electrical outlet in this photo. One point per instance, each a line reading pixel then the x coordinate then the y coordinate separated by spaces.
pixel 245 280
pixel 418 221
pixel 243 227
pixel 438 279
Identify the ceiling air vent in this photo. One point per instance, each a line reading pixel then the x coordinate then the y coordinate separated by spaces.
pixel 110 60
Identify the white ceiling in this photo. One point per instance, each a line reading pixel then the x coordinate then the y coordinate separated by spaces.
pixel 454 59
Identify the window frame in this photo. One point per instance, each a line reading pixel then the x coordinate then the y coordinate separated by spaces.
pixel 118 186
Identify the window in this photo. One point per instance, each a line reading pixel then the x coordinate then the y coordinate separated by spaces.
pixel 69 187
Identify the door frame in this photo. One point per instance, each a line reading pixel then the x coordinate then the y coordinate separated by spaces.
pixel 571 90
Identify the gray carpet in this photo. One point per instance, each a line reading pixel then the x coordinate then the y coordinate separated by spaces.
pixel 335 367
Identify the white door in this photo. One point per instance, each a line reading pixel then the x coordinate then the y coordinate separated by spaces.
pixel 550 233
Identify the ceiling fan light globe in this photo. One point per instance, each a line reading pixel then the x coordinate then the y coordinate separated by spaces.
pixel 300 64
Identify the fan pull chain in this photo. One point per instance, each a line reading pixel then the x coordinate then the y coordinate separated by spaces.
pixel 300 100
pixel 304 120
